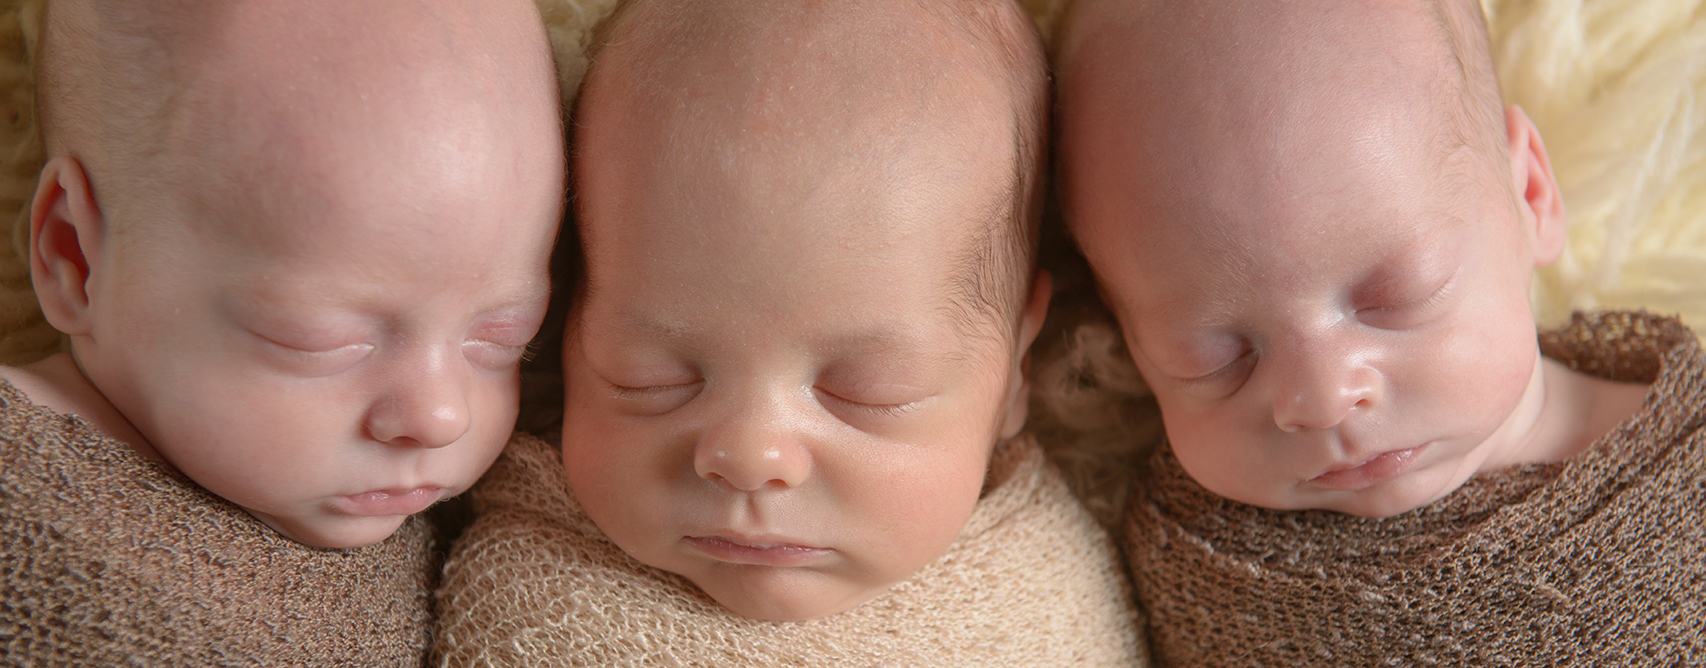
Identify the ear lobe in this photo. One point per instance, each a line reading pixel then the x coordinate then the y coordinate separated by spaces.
pixel 66 231
pixel 1541 205
pixel 1018 378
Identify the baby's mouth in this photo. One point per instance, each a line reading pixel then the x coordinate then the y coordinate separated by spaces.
pixel 757 551
pixel 1376 470
pixel 386 502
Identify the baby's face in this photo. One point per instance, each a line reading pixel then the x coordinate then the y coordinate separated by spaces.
pixel 333 347
pixel 770 389
pixel 1347 328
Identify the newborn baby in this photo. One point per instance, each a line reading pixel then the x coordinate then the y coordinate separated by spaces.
pixel 1317 225
pixel 298 249
pixel 795 368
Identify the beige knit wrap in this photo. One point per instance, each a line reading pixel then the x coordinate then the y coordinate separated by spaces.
pixel 1031 581
pixel 108 559
pixel 1596 561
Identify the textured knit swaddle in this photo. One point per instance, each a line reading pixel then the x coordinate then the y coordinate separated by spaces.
pixel 108 559
pixel 1031 581
pixel 1596 561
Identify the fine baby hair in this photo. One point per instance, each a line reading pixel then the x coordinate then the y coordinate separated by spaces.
pixel 236 242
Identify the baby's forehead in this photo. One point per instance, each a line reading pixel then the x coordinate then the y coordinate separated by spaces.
pixel 859 131
pixel 797 74
pixel 811 128
pixel 1252 155
pixel 1217 90
pixel 260 101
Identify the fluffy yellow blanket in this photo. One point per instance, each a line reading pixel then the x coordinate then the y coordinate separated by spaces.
pixel 108 559
pixel 1031 581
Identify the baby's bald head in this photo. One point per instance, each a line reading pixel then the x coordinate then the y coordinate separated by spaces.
pixel 1318 227
pixel 1178 77
pixel 298 248
pixel 838 94
pixel 162 96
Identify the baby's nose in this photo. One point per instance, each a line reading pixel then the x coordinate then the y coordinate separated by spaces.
pixel 1321 390
pixel 752 452
pixel 427 409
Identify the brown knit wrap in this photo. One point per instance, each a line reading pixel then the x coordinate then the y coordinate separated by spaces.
pixel 1596 561
pixel 1031 581
pixel 108 559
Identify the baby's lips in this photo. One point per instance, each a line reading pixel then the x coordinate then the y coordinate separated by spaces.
pixel 760 551
pixel 385 502
pixel 1381 468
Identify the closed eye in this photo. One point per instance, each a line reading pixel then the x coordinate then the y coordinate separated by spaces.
pixel 1410 313
pixel 887 410
pixel 493 354
pixel 644 393
pixel 655 399
pixel 1223 381
pixel 309 362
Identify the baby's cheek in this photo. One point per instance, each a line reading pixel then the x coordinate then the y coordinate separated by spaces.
pixel 1216 457
pixel 1480 375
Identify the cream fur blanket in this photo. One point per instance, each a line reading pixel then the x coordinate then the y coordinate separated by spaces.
pixel 1031 581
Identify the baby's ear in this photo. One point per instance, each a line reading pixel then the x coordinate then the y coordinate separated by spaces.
pixel 66 232
pixel 1540 204
pixel 1018 380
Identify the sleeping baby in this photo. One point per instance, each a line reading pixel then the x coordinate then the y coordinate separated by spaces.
pixel 1317 225
pixel 297 249
pixel 795 364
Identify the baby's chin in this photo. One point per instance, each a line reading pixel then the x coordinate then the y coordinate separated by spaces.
pixel 783 594
pixel 1375 506
pixel 339 531
pixel 1384 499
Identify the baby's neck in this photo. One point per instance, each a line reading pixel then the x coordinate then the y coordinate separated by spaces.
pixel 57 384
pixel 1576 410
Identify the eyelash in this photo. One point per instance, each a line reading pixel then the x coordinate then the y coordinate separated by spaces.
pixel 1218 375
pixel 492 354
pixel 1439 295
pixel 293 350
pixel 317 362
pixel 1426 303
pixel 642 393
pixel 880 410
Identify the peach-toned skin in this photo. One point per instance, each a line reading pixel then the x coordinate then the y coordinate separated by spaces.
pixel 1331 308
pixel 318 313
pixel 768 391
